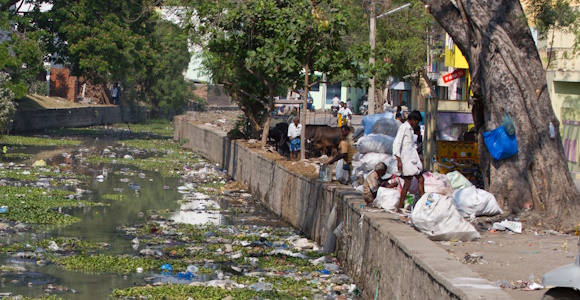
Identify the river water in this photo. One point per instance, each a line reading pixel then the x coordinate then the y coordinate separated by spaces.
pixel 101 224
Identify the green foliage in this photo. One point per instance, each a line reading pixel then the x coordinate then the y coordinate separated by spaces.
pixel 102 40
pixel 256 55
pixel 101 263
pixel 21 54
pixel 169 90
pixel 6 96
pixel 38 206
pixel 549 15
pixel 17 140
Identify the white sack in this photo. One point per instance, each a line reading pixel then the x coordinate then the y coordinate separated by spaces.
pixel 436 216
pixel 341 174
pixel 377 143
pixel 387 199
pixel 457 180
pixel 370 160
pixel 471 200
pixel 437 183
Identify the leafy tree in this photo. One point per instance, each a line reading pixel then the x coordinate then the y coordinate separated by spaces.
pixel 508 77
pixel 256 55
pixel 101 40
pixel 6 96
pixel 21 53
pixel 168 89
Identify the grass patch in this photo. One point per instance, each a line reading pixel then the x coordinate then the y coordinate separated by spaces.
pixel 17 155
pixel 283 288
pixel 120 264
pixel 38 206
pixel 168 165
pixel 64 243
pixel 116 197
pixel 17 140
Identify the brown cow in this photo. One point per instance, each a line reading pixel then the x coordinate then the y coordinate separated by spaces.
pixel 322 139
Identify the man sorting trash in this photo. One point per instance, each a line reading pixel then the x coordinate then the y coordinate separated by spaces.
pixel 346 151
pixel 375 180
pixel 405 151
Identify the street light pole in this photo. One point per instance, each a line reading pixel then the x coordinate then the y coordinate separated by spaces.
pixel 372 40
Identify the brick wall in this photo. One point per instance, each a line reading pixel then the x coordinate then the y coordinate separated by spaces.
pixel 62 84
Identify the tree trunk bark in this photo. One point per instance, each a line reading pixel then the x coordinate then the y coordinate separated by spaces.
pixel 303 113
pixel 508 77
pixel 269 109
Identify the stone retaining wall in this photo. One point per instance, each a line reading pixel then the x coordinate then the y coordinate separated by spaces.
pixel 387 259
pixel 39 119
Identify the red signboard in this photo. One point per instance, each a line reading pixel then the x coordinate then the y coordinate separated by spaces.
pixel 454 75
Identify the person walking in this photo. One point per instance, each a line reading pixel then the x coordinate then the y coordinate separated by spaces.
pixel 408 160
pixel 294 132
pixel 115 94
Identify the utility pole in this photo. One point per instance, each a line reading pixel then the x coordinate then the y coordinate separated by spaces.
pixel 372 38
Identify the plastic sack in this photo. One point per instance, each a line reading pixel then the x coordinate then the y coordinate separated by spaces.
pixel 340 172
pixel 457 180
pixel 358 133
pixel 436 216
pixel 370 160
pixel 377 143
pixel 500 144
pixel 437 183
pixel 330 242
pixel 369 121
pixel 473 201
pixel 387 199
pixel 387 127
pixel 510 128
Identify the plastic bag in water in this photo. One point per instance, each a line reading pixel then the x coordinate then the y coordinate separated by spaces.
pixel 500 144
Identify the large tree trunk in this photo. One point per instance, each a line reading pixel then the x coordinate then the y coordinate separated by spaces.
pixel 269 109
pixel 508 77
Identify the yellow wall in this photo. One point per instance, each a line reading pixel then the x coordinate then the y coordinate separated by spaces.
pixel 454 58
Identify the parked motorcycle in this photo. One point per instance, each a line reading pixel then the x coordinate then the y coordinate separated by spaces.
pixel 564 282
pixel 335 111
pixel 364 108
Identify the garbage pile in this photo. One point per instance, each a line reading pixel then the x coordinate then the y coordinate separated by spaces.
pixel 252 253
pixel 448 199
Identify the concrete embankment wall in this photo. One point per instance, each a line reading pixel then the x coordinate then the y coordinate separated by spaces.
pixel 30 120
pixel 387 258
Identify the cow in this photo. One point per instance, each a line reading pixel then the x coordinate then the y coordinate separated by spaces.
pixel 321 139
pixel 279 134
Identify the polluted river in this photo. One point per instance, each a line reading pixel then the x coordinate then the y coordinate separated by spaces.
pixel 121 212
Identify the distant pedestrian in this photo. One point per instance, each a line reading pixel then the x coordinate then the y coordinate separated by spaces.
pixel 398 114
pixel 335 103
pixel 349 104
pixel 115 94
pixel 294 132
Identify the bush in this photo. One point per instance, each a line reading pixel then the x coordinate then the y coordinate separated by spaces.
pixel 6 105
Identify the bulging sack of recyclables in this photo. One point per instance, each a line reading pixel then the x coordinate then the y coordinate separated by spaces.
pixel 436 216
pixel 377 143
pixel 369 121
pixel 387 127
pixel 471 200
pixel 457 180
pixel 437 183
pixel 387 199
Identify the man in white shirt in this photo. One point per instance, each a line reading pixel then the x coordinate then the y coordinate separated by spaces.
pixel 405 151
pixel 346 114
pixel 294 131
pixel 335 101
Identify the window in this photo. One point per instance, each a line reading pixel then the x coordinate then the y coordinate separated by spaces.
pixel 349 89
pixel 331 90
